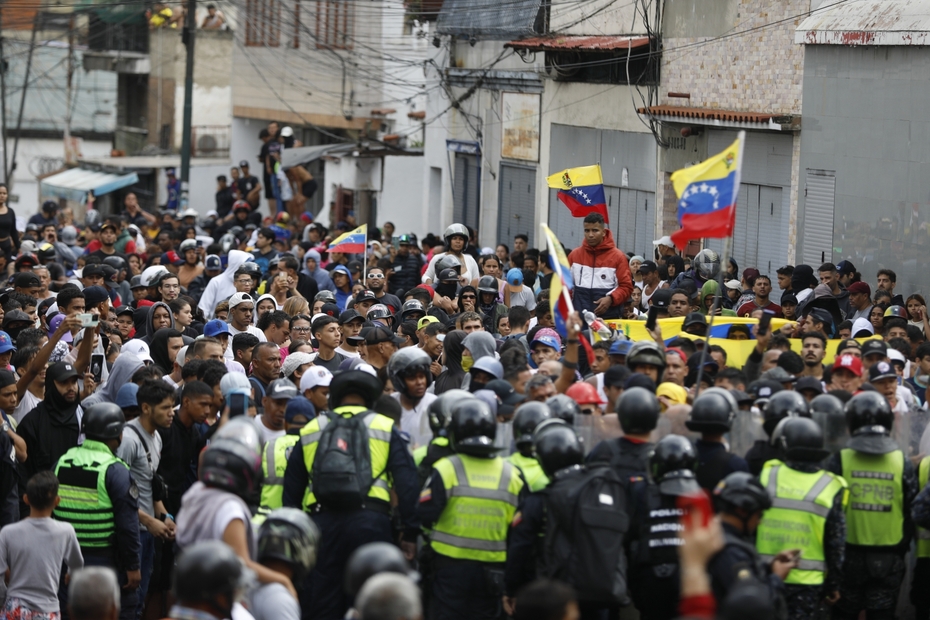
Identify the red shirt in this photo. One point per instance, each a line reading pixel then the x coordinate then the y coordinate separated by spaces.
pixel 750 306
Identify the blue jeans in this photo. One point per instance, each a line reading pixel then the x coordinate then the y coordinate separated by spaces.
pixel 147 565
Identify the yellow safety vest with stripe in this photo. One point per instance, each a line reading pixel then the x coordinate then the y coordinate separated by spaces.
pixel 797 518
pixel 274 465
pixel 875 512
pixel 379 444
pixel 482 499
pixel 85 502
pixel 420 453
pixel 532 471
pixel 923 535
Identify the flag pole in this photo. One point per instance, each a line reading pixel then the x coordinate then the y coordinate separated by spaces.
pixel 365 260
pixel 724 263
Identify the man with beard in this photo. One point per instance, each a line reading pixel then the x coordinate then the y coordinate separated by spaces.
pixel 376 281
pixel 108 235
pixel 52 428
pixel 410 374
pixel 813 349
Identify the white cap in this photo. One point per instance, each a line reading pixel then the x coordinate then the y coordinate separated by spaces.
pixel 189 212
pixel 733 284
pixel 182 356
pixel 316 376
pixel 666 240
pixel 240 298
pixel 139 348
pixel 52 310
pixel 896 356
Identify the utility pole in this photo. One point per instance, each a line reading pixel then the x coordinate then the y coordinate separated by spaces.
pixel 68 149
pixel 3 101
pixel 22 103
pixel 190 28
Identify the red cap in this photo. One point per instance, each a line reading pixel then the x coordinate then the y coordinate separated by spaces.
pixel 677 352
pixel 584 394
pixel 859 287
pixel 850 362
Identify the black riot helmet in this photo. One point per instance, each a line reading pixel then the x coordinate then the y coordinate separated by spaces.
pixel 563 408
pixel 800 439
pixel 325 296
pixel 638 410
pixel 783 404
pixel 207 571
pixel 557 446
pixel 528 417
pixel 290 536
pixel 439 411
pixel 412 306
pixel 103 421
pixel 380 311
pixel 743 491
pixel 473 428
pixel 232 466
pixel 713 411
pixel 408 362
pixel 827 411
pixel 672 465
pixel 870 420
pixel 487 284
pixel 370 560
pixel 357 382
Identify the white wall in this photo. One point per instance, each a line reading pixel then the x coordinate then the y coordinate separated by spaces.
pixel 25 185
pixel 401 200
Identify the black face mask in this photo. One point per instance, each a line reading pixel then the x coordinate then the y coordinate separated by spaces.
pixel 529 278
pixel 447 289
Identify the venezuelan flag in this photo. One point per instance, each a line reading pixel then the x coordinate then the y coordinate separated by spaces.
pixel 707 195
pixel 581 190
pixel 352 242
pixel 560 289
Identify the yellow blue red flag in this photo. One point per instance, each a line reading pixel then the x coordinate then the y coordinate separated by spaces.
pixel 560 287
pixel 352 242
pixel 707 195
pixel 581 190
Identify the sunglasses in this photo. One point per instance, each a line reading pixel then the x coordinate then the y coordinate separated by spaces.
pixel 468 297
pixel 376 276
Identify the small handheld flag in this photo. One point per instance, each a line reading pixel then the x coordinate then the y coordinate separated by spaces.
pixel 581 190
pixel 560 289
pixel 352 242
pixel 707 194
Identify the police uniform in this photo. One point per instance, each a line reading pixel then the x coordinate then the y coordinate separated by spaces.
pixel 274 465
pixel 469 503
pixel 808 514
pixel 628 456
pixel 882 488
pixel 920 594
pixel 532 471
pixel 761 452
pixel 426 456
pixel 739 561
pixel 100 500
pixel 715 463
pixel 343 531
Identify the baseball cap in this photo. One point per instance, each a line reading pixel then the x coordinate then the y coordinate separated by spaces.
pixel 505 391
pixel 763 388
pixel 137 347
pixel 733 285
pixel 849 343
pixel 240 298
pixel 27 279
pixel 316 376
pixel 850 362
pixel 299 406
pixel 108 225
pixel 548 332
pixel 548 341
pixel 694 318
pixel 620 347
pixel 423 322
pixel 126 396
pixel 661 298
pixel 379 334
pixel 327 310
pixel 808 383
pixel 281 388
pixel 15 316
pixel 648 266
pixel 821 315
pixel 859 287
pixel 294 361
pixel 6 343
pixel 750 273
pixel 61 371
pixel 171 258
pixel 845 267
pixel 243 164
pixel 874 347
pixel 365 295
pixel 55 323
pixel 666 240
pixel 94 295
pixel 136 283
pixel 515 277
pixel 896 356
pixel 215 327
pixel 881 370
pixel 349 315
pixel 213 263
pixel 169 171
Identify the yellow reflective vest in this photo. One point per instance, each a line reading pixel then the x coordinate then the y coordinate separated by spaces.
pixel 875 512
pixel 274 464
pixel 798 517
pixel 532 471
pixel 923 535
pixel 482 498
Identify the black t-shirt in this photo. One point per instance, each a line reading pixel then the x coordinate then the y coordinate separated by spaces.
pixel 246 185
pixel 224 201
pixel 332 365
pixel 104 255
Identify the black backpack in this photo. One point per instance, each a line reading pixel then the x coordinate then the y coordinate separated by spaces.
pixel 585 533
pixel 341 474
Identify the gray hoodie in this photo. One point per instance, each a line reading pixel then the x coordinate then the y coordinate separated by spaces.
pixel 125 366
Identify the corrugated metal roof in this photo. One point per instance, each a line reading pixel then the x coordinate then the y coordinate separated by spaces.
pixel 868 22
pixel 706 114
pixel 579 42
pixel 490 21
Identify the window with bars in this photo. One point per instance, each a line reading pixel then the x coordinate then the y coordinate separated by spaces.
pixel 335 24
pixel 262 22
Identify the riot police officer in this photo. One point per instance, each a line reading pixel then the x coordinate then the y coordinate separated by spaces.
pixel 807 513
pixel 712 415
pixel 648 358
pixel 638 412
pixel 298 414
pixel 354 515
pixel 920 595
pixel 208 579
pixel 529 416
pixel 287 543
pixel 781 405
pixel 882 486
pixel 470 550
pixel 100 500
pixel 654 576
pixel 740 501
pixel 439 414
pixel 827 411
pixel 371 559
pixel 563 408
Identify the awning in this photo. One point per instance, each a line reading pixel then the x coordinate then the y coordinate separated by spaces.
pixel 307 154
pixel 723 118
pixel 867 22
pixel 579 43
pixel 75 183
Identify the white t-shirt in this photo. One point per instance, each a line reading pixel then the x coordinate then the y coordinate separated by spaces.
pixel 267 433
pixel 415 422
pixel 272 601
pixel 251 329
pixel 524 297
pixel 347 353
pixel 29 402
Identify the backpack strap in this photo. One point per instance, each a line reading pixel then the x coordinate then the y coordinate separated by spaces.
pixel 368 420
pixel 145 445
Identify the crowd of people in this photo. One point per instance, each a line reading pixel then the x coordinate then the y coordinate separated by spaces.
pixel 221 417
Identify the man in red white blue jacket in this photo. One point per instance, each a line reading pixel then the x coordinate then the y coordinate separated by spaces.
pixel 600 271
